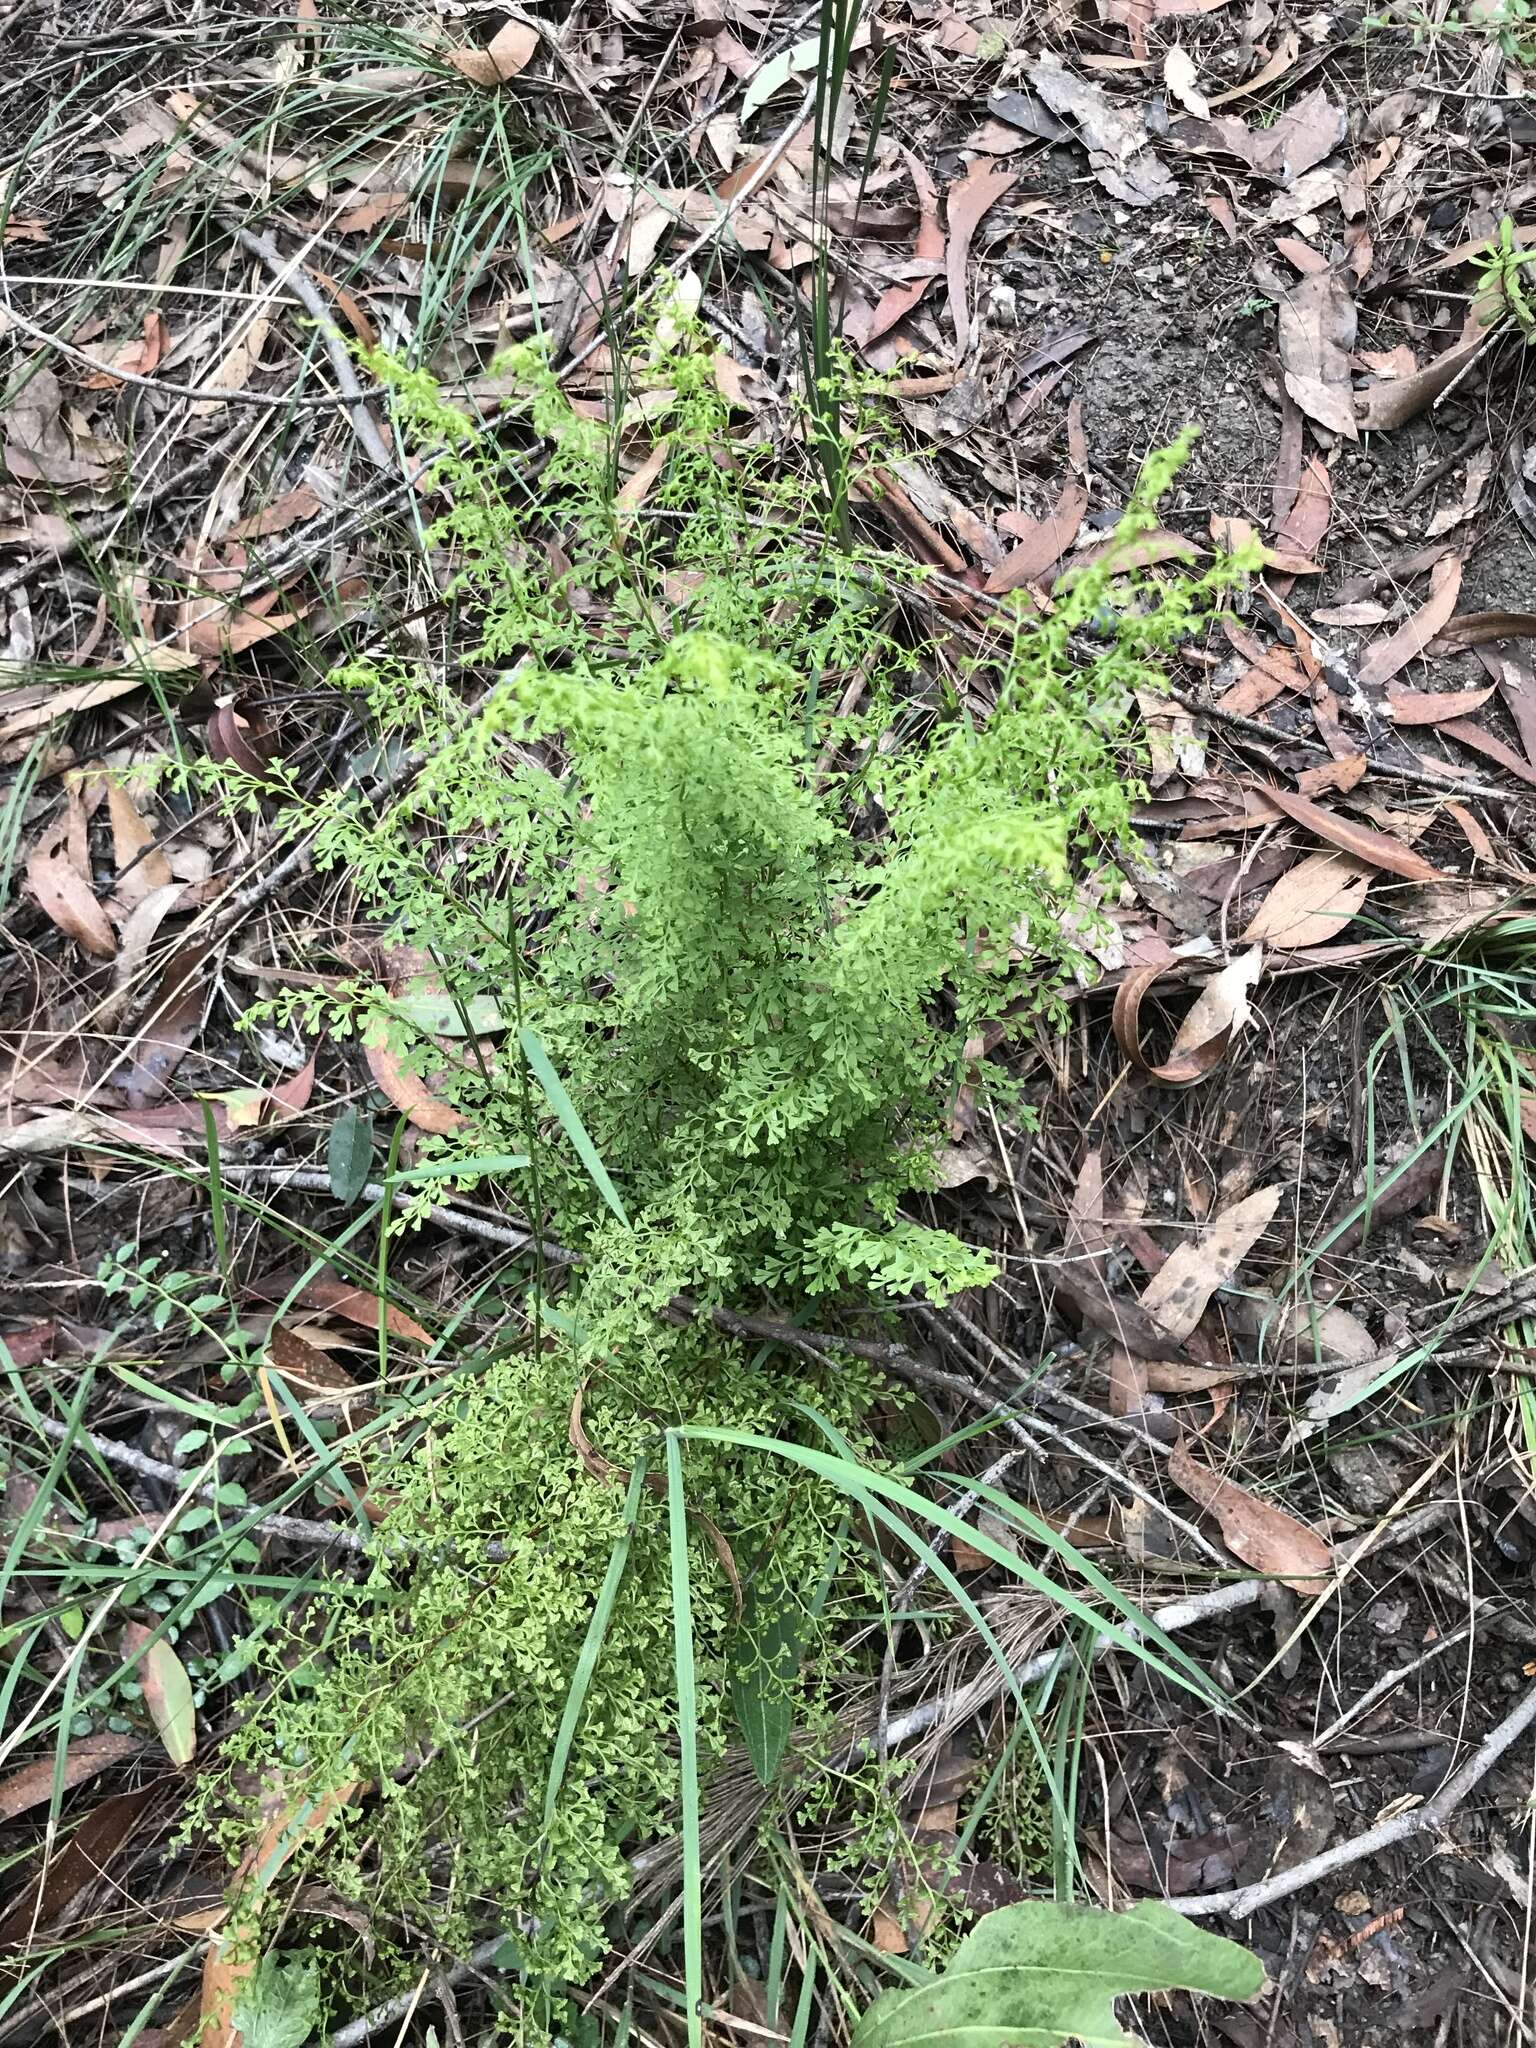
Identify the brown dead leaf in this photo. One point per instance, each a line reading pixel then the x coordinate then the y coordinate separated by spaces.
pixel 1262 1535
pixel 36 443
pixel 1042 542
pixel 1176 1296
pixel 167 1031
pixel 895 303
pixel 969 201
pixel 1303 528
pixel 1490 746
pixel 139 357
pixel 75 1868
pixel 1217 1014
pixel 1360 840
pixel 57 876
pixel 32 1785
pixel 1384 658
pixel 1282 152
pixel 508 52
pixel 1388 402
pixel 409 1093
pixel 1432 707
pixel 1312 902
pixel 1479 629
pixel 1317 334
pixel 234 371
pixel 141 867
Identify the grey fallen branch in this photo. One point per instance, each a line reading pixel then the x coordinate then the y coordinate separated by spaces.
pixel 293 1528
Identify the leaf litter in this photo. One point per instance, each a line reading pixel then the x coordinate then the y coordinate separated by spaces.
pixel 1338 771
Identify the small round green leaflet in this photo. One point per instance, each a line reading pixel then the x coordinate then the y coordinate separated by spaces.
pixel 1040 1975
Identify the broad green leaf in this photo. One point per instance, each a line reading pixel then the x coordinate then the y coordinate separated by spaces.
pixel 431 1008
pixel 279 2005
pixel 766 1662
pixel 167 1692
pixel 1040 1975
pixel 349 1154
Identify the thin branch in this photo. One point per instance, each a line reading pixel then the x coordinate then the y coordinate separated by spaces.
pixel 1433 1814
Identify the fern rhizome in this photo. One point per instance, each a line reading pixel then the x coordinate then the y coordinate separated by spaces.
pixel 715 886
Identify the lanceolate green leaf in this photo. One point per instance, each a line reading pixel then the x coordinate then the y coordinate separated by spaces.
pixel 544 1073
pixel 1041 1975
pixel 349 1154
pixel 767 1657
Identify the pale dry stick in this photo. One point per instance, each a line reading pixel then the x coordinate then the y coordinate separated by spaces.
pixel 1388 1682
pixel 293 1528
pixel 289 271
pixel 311 1181
pixel 1433 1814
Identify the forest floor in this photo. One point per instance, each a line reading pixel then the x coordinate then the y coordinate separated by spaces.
pixel 1304 1077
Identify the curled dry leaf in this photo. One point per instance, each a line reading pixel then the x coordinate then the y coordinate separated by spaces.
pixel 1388 402
pixel 1214 1018
pixel 1312 902
pixel 240 741
pixel 1363 841
pixel 1383 659
pixel 1175 1297
pixel 1263 1536
pixel 1478 629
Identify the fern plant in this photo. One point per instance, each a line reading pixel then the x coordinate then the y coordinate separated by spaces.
pixel 719 880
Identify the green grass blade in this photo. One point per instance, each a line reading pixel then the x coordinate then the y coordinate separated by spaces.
pixel 687 1742
pixel 554 1088
pixel 592 1646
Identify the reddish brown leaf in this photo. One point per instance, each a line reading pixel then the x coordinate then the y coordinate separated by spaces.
pixel 1492 748
pixel 287 510
pixel 1433 707
pixel 1360 840
pixel 1043 544
pixel 74 1868
pixel 1302 530
pixel 1200 1045
pixel 167 1031
pixel 32 1785
pixel 1312 902
pixel 141 867
pixel 1384 658
pixel 969 201
pixel 66 898
pixel 409 1093
pixel 1262 1535
pixel 895 303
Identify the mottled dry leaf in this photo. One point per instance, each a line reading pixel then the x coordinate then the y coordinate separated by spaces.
pixel 1360 840
pixel 1312 902
pixel 1317 333
pixel 969 201
pixel 141 867
pixel 1263 1536
pixel 1176 1296
pixel 1384 658
pixel 1117 140
pixel 1490 746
